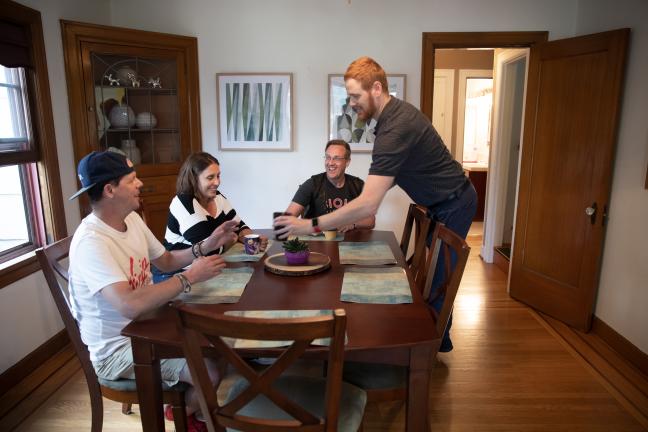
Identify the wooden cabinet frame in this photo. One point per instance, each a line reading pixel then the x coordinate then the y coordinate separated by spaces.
pixel 78 40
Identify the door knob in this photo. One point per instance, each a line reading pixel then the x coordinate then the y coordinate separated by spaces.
pixel 591 212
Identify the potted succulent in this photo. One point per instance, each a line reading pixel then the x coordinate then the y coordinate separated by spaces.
pixel 296 252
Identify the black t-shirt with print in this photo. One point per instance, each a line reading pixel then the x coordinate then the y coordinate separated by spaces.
pixel 319 196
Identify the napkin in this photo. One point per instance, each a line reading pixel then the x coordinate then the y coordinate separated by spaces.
pixel 224 288
pixel 376 285
pixel 248 343
pixel 320 237
pixel 367 253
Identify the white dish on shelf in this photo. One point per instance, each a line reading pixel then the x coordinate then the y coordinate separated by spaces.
pixel 146 120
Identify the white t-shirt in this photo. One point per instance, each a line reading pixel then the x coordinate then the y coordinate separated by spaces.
pixel 101 256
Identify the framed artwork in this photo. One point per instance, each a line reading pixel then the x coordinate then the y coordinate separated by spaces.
pixel 254 111
pixel 343 121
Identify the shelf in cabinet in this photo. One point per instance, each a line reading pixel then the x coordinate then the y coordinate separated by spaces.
pixel 135 90
pixel 135 130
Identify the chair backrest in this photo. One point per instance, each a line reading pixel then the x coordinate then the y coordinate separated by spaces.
pixel 453 248
pixel 194 324
pixel 418 221
pixel 57 278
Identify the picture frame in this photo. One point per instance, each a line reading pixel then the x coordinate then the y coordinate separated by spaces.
pixel 342 120
pixel 255 111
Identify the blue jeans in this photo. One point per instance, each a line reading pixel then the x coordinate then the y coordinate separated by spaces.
pixel 456 213
pixel 160 276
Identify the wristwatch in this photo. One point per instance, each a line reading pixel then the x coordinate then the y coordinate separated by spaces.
pixel 186 285
pixel 315 224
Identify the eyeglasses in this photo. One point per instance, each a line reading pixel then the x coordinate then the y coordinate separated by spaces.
pixel 328 158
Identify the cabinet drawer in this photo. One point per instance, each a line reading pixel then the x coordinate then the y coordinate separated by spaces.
pixel 158 186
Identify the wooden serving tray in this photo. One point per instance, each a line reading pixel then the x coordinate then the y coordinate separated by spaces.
pixel 317 262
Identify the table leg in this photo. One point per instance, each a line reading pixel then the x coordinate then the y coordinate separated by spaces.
pixel 149 386
pixel 418 397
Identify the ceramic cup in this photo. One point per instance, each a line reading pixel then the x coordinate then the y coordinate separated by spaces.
pixel 330 234
pixel 252 244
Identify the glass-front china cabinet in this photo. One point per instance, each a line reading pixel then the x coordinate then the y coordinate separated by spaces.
pixel 134 92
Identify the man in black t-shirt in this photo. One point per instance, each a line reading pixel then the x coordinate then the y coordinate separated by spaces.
pixel 407 152
pixel 328 191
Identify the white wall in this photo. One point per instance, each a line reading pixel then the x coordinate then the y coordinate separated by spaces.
pixel 28 316
pixel 312 39
pixel 623 290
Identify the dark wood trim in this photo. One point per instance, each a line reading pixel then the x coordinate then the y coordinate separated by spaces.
pixel 51 196
pixel 621 345
pixel 24 399
pixel 433 41
pixel 18 372
pixel 79 37
pixel 19 270
pixel 500 261
pixel 623 380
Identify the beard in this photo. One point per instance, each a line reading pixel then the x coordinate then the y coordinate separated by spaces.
pixel 366 113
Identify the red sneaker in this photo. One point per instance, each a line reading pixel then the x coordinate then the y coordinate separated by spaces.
pixel 168 412
pixel 195 425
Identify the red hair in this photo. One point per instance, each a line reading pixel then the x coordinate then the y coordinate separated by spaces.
pixel 366 71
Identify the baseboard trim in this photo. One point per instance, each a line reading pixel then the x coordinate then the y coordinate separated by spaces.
pixel 26 397
pixel 627 384
pixel 18 372
pixel 621 345
pixel 500 261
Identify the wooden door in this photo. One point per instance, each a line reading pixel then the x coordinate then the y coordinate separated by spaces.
pixel 572 109
pixel 443 100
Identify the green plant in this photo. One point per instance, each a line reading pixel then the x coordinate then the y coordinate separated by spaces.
pixel 295 245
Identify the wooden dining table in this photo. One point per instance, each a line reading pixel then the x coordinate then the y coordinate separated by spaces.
pixel 401 334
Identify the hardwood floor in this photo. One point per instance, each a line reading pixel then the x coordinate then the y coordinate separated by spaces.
pixel 507 372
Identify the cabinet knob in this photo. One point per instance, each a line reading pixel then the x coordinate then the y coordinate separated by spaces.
pixel 147 189
pixel 91 108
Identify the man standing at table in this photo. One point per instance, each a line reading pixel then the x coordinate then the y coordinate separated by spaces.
pixel 330 190
pixel 110 272
pixel 407 152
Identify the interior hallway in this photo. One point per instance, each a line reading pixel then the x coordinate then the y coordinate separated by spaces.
pixel 509 371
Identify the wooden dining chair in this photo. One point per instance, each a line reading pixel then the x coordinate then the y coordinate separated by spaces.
pixel 417 226
pixel 269 400
pixel 122 390
pixel 388 382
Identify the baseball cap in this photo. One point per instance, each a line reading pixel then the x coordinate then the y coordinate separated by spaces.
pixel 98 167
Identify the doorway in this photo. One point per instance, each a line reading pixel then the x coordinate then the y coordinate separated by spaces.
pixel 572 99
pixel 487 115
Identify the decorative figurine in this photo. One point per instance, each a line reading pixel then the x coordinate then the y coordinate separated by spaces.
pixel 154 82
pixel 135 82
pixel 112 81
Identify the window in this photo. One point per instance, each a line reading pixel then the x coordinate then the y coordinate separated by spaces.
pixel 31 208
pixel 20 230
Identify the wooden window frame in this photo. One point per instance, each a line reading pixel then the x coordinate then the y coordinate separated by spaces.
pixel 46 201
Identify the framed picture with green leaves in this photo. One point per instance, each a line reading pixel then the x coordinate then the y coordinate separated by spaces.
pixel 254 111
pixel 343 121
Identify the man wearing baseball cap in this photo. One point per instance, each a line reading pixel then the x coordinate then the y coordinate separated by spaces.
pixel 110 271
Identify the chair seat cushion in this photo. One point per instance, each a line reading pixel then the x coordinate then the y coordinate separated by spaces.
pixel 374 376
pixel 128 385
pixel 308 392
